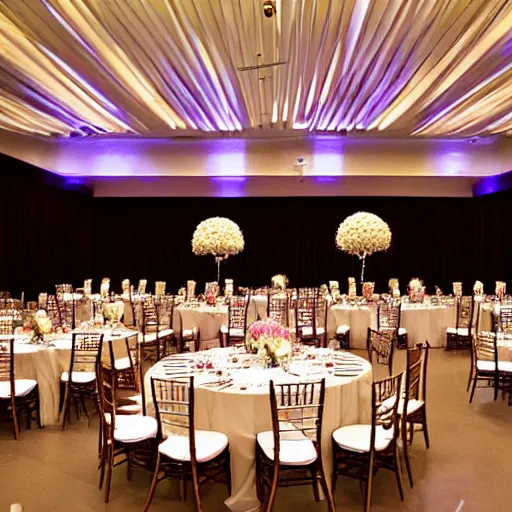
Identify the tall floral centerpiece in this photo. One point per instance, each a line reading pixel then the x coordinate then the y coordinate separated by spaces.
pixel 361 235
pixel 270 340
pixel 219 237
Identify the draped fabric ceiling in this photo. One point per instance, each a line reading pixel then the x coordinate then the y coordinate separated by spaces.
pixel 163 67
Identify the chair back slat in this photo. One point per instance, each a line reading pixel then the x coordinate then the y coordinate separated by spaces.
pixel 174 406
pixel 385 400
pixel 506 318
pixel 277 308
pixel 485 346
pixel 85 351
pixel 298 407
pixel 237 312
pixel 381 343
pixel 389 315
pixel 7 360
pixel 465 312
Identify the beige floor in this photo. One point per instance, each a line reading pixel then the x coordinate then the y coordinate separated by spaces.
pixel 468 467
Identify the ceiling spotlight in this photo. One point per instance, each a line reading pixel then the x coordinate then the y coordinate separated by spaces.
pixel 269 9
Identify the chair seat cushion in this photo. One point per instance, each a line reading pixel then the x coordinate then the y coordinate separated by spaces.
pixel 485 366
pixel 402 331
pixel 234 331
pixel 356 438
pixel 189 333
pixel 209 444
pixel 412 406
pixel 151 336
pixel 134 428
pixel 123 363
pixel 22 386
pixel 79 377
pixel 295 449
pixel 505 366
pixel 342 329
pixel 308 331
pixel 461 331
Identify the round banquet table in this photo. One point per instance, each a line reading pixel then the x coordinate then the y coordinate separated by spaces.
pixel 45 364
pixel 208 319
pixel 239 405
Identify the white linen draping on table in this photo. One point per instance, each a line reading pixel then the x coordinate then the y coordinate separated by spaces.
pixel 257 309
pixel 208 319
pixel 241 415
pixel 427 323
pixel 46 364
pixel 359 319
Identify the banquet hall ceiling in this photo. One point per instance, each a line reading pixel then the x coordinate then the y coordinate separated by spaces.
pixel 431 68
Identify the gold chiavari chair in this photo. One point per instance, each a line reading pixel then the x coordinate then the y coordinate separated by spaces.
pixel 358 451
pixel 460 336
pixel 381 345
pixel 291 453
pixel 307 328
pixel 277 308
pixel 17 396
pixel 505 320
pixel 235 331
pixel 413 406
pixel 130 437
pixel 388 319
pixel 79 381
pixel 191 455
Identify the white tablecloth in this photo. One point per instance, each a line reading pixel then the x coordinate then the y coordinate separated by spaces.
pixel 242 414
pixel 427 323
pixel 208 319
pixel 358 318
pixel 46 364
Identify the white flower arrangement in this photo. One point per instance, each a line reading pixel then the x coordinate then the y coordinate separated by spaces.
pixel 362 234
pixel 217 236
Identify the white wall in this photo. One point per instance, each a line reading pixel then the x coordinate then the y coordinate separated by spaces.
pixel 265 157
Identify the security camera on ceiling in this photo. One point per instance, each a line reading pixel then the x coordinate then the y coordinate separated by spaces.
pixel 269 9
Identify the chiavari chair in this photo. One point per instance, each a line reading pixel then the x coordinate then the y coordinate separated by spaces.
pixel 358 451
pixel 412 407
pixel 505 319
pixel 6 322
pixel 487 369
pixel 277 308
pixel 388 319
pixel 5 295
pixel 291 453
pixel 79 381
pixel 52 310
pixel 308 305
pixel 130 437
pixel 190 455
pixel 189 340
pixel 234 332
pixel 381 344
pixel 17 396
pixel 460 336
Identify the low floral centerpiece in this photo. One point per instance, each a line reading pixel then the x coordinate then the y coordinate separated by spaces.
pixel 219 237
pixel 416 290
pixel 361 235
pixel 270 340
pixel 38 325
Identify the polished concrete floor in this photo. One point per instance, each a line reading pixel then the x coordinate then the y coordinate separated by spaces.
pixel 467 468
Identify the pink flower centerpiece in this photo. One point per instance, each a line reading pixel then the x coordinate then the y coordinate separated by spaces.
pixel 270 340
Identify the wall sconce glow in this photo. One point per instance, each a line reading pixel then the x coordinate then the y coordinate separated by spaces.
pixel 450 163
pixel 227 158
pixel 228 186
pixel 327 157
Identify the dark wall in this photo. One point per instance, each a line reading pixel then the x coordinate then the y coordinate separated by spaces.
pixel 50 234
pixel 45 230
pixel 438 240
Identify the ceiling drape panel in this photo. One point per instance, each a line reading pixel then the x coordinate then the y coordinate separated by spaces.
pixel 160 67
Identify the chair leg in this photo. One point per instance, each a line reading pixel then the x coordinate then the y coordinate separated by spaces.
pixel 472 389
pixel 103 461
pixel 154 483
pixel 406 452
pixel 183 488
pixel 65 407
pixel 272 492
pixel 398 474
pixel 327 492
pixel 82 401
pixel 369 482
pixel 110 466
pixel 128 466
pixel 314 482
pixel 15 426
pixel 425 429
pixel 334 476
pixel 38 411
